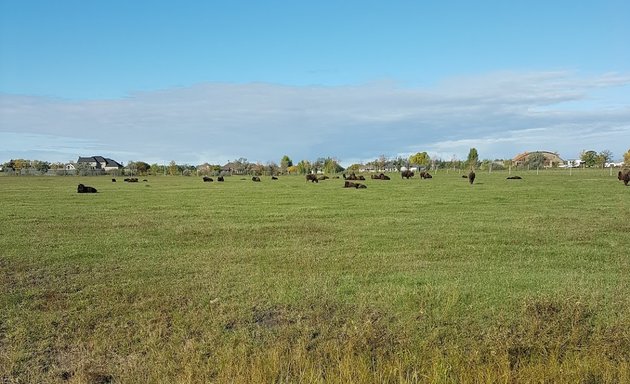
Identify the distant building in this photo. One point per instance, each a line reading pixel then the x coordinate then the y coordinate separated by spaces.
pixel 552 159
pixel 100 162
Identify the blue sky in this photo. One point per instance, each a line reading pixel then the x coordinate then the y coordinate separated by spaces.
pixel 217 80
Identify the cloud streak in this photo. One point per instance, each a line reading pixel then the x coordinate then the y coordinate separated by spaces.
pixel 499 113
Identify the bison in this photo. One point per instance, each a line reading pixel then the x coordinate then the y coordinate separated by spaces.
pixel 312 178
pixel 113 180
pixel 131 179
pixel 464 176
pixel 514 178
pixel 274 178
pixel 425 175
pixel 207 179
pixel 406 174
pixel 351 176
pixel 220 178
pixel 255 178
pixel 624 176
pixel 323 177
pixel 471 177
pixel 349 184
pixel 85 189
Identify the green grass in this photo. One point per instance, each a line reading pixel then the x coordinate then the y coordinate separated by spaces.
pixel 176 280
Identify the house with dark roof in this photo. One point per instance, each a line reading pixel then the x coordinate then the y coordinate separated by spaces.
pixel 100 162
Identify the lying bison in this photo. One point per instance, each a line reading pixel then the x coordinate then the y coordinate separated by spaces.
pixel 113 180
pixel 381 176
pixel 323 178
pixel 351 176
pixel 131 179
pixel 85 189
pixel 425 175
pixel 471 177
pixel 514 178
pixel 255 178
pixel 406 174
pixel 312 178
pixel 274 178
pixel 207 179
pixel 220 178
pixel 349 184
pixel 624 176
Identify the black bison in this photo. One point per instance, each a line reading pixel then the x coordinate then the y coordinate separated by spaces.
pixel 514 178
pixel 464 176
pixel 220 178
pixel 361 177
pixel 312 178
pixel 406 174
pixel 323 177
pixel 145 180
pixel 207 179
pixel 113 180
pixel 85 189
pixel 425 175
pixel 131 179
pixel 351 176
pixel 274 178
pixel 255 178
pixel 471 177
pixel 624 176
pixel 349 184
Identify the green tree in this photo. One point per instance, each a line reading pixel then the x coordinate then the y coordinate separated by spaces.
pixel 603 157
pixel 420 158
pixel 304 167
pixel 473 158
pixel 285 163
pixel 626 158
pixel 331 165
pixel 142 167
pixel 589 158
pixel 536 160
pixel 172 168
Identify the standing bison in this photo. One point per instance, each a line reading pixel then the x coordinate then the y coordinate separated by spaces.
pixel 312 178
pixel 406 174
pixel 471 177
pixel 624 176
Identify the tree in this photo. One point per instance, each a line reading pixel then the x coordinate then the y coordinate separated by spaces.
pixel 626 158
pixel 589 158
pixel 331 165
pixel 536 160
pixel 172 168
pixel 399 162
pixel 293 169
pixel 285 163
pixel 142 167
pixel 473 158
pixel 420 158
pixel 304 167
pixel 41 166
pixel 603 157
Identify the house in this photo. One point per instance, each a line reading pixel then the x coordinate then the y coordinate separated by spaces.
pixel 100 162
pixel 551 159
pixel 69 167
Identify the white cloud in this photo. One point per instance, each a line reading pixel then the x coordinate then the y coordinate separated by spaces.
pixel 500 114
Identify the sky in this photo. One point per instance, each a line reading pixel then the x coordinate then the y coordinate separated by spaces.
pixel 212 81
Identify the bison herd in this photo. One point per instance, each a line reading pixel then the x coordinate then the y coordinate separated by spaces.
pixel 623 175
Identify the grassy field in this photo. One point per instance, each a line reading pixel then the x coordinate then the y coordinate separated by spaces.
pixel 176 280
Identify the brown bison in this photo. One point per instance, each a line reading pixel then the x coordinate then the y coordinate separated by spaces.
pixel 425 175
pixel 471 177
pixel 349 184
pixel 312 178
pixel 131 179
pixel 323 178
pixel 624 176
pixel 514 178
pixel 207 179
pixel 220 178
pixel 351 176
pixel 256 178
pixel 406 174
pixel 85 189
pixel 381 176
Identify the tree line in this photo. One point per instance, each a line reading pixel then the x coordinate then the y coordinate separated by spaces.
pixel 421 160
